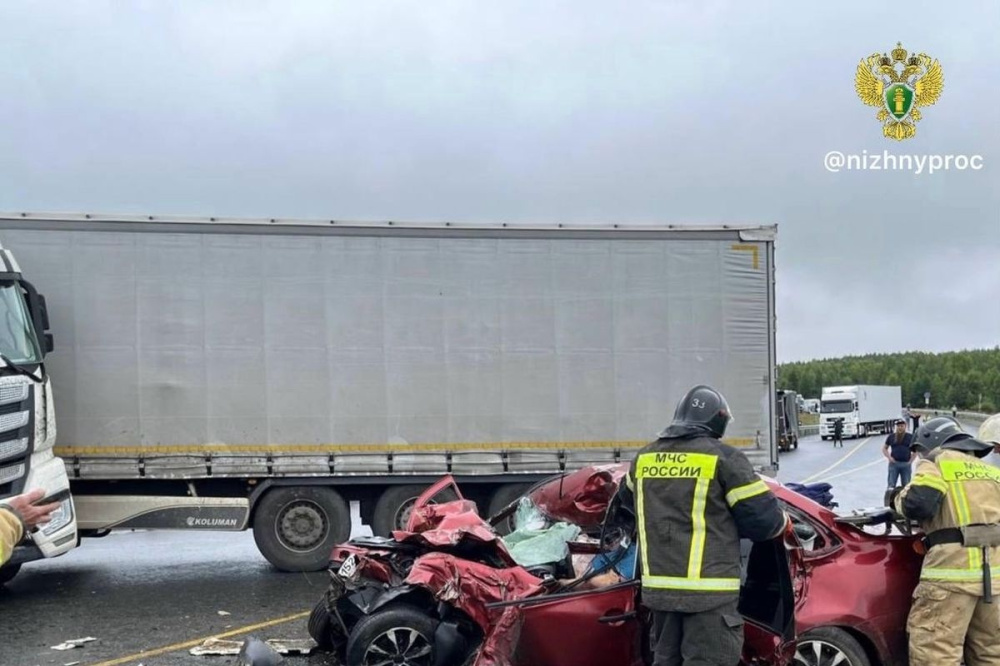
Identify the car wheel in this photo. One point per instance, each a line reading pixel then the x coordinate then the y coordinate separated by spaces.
pixel 296 527
pixel 399 634
pixel 8 572
pixel 502 497
pixel 829 646
pixel 319 626
pixel 392 511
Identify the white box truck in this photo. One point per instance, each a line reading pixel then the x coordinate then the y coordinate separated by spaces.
pixel 866 410
pixel 225 374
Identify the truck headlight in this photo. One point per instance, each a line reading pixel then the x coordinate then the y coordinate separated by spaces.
pixel 61 517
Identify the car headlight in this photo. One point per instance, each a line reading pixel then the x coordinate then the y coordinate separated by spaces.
pixel 61 517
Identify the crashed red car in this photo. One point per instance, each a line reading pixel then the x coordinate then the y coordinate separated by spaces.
pixel 447 591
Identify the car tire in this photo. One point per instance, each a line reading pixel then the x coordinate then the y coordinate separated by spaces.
pixel 398 628
pixel 392 511
pixel 319 626
pixel 502 497
pixel 296 527
pixel 823 646
pixel 8 572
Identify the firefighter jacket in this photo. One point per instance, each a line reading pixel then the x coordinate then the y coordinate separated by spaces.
pixel 952 489
pixel 11 531
pixel 695 498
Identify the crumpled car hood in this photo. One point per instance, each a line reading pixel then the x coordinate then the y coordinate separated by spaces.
pixel 470 587
pixel 583 496
pixel 452 524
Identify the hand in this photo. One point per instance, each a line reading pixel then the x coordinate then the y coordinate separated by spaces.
pixel 30 514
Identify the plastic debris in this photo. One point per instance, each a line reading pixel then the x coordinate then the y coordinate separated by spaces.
pixel 74 643
pixel 219 647
pixel 224 613
pixel 256 652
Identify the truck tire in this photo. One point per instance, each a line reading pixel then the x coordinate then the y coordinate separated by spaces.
pixel 296 527
pixel 392 511
pixel 7 573
pixel 503 496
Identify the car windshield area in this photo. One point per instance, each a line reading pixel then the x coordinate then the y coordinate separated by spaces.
pixel 837 406
pixel 17 333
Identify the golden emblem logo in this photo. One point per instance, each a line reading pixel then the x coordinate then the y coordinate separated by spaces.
pixel 899 86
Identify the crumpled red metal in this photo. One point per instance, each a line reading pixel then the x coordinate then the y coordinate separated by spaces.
pixel 581 498
pixel 450 524
pixel 470 587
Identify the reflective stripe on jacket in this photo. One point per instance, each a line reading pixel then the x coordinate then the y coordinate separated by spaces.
pixel 954 489
pixel 695 498
pixel 10 533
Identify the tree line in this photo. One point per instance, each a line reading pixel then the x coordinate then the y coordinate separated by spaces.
pixel 969 379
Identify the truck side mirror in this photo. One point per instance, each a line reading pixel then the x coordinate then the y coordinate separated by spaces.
pixel 40 317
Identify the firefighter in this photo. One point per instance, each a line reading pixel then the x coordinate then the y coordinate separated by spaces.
pixel 17 515
pixel 955 497
pixel 695 497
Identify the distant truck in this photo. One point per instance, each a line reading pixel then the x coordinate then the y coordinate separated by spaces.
pixel 866 410
pixel 226 374
pixel 786 420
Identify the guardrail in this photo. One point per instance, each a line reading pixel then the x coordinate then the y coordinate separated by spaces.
pixel 808 430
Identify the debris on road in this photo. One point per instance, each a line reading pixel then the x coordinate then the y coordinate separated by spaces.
pixel 75 643
pixel 219 647
pixel 255 652
pixel 224 613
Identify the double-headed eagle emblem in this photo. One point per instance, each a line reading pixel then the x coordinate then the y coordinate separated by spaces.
pixel 899 85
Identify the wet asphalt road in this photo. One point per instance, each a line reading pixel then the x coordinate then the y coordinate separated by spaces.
pixel 145 591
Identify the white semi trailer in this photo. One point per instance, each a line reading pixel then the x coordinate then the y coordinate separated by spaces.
pixel 866 410
pixel 227 374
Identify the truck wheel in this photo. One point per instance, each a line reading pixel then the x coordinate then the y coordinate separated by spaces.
pixel 296 527
pixel 503 496
pixel 392 511
pixel 829 645
pixel 7 573
pixel 398 634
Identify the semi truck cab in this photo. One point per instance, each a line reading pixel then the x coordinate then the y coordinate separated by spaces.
pixel 839 406
pixel 27 417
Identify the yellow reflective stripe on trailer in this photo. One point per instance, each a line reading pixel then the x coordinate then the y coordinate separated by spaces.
pixel 675 466
pixel 931 481
pixel 699 584
pixel 698 528
pixel 969 575
pixel 736 495
pixel 960 470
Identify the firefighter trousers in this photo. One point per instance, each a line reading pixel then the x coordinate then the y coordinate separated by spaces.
pixel 709 638
pixel 946 626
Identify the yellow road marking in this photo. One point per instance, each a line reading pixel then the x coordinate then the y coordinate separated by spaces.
pixel 838 463
pixel 198 641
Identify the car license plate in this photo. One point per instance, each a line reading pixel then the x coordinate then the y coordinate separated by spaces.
pixel 349 567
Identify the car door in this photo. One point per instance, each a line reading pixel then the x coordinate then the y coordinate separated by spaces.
pixel 581 628
pixel 767 601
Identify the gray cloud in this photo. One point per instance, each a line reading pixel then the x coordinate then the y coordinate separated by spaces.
pixel 700 112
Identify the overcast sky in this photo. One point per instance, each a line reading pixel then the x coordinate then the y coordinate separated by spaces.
pixel 576 111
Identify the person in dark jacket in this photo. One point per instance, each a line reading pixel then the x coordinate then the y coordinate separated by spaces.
pixel 695 498
pixel 838 432
pixel 900 453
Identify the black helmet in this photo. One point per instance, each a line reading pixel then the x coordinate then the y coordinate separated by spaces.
pixel 702 408
pixel 945 432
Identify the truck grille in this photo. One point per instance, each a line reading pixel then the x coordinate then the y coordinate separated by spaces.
pixel 12 473
pixel 13 448
pixel 13 393
pixel 16 426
